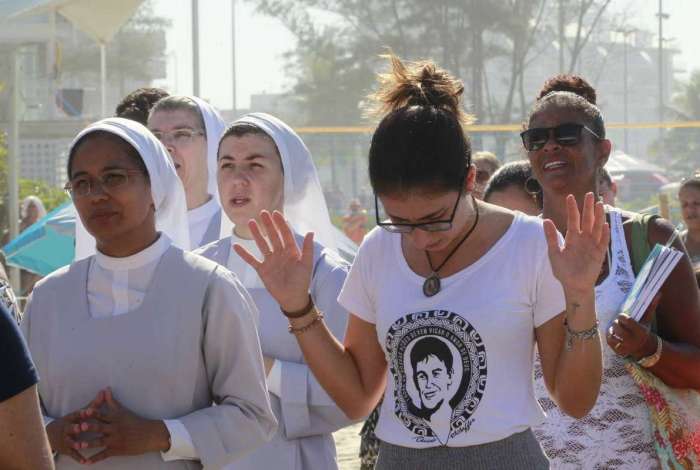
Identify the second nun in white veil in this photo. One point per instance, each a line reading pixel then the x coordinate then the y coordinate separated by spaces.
pixel 264 165
pixel 190 128
pixel 142 331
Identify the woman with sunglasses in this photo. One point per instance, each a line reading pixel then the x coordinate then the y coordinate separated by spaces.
pixel 148 354
pixel 448 297
pixel 566 145
pixel 190 129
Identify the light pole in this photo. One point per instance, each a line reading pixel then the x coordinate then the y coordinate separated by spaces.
pixel 625 84
pixel 195 47
pixel 233 55
pixel 662 16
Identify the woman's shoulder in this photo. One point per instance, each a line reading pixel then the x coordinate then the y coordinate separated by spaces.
pixel 61 276
pixel 216 250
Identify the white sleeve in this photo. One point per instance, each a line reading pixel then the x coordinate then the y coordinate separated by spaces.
pixel 355 296
pixel 240 418
pixel 181 445
pixel 549 293
pixel 274 378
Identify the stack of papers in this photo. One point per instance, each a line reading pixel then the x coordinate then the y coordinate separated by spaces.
pixel 656 269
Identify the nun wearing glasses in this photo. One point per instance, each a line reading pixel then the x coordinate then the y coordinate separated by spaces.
pixel 149 355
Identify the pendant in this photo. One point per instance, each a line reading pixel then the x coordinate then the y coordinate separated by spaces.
pixel 431 286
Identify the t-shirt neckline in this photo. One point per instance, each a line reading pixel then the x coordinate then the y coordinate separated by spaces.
pixel 490 253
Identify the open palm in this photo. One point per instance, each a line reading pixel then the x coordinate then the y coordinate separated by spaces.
pixel 285 269
pixel 577 263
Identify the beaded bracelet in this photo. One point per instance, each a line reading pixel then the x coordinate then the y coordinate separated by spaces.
pixel 571 335
pixel 318 316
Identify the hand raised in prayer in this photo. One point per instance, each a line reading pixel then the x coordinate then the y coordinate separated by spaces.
pixel 285 270
pixel 577 264
pixel 121 432
pixel 64 433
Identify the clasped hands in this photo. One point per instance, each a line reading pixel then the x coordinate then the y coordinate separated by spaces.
pixel 107 425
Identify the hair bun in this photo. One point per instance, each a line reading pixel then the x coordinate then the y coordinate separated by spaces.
pixel 419 83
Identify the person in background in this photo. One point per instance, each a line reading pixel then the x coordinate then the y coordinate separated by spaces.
pixel 23 442
pixel 190 128
pixel 31 210
pixel 486 164
pixel 264 165
pixel 513 187
pixel 607 188
pixel 354 222
pixel 137 104
pixel 689 198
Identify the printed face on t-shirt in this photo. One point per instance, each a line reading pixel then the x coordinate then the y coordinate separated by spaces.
pixel 438 362
pixel 433 378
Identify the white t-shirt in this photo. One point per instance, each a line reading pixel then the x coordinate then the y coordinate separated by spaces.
pixel 461 362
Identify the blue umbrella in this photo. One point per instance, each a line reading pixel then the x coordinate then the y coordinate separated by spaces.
pixel 46 245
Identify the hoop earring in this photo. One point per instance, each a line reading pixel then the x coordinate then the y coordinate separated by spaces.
pixel 532 186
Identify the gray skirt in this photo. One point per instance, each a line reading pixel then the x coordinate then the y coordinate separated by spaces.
pixel 519 451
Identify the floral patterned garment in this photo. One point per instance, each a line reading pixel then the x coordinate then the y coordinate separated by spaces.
pixel 616 434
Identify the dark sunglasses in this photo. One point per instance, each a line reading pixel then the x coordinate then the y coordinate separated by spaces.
pixel 566 135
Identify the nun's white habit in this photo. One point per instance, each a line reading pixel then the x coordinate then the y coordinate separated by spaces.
pixel 307 415
pixel 170 332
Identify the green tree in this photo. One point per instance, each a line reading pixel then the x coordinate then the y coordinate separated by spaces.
pixel 682 145
pixel 50 196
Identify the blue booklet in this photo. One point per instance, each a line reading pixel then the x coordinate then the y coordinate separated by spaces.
pixel 656 269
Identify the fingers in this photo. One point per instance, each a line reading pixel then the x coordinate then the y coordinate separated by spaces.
pixel 98 457
pixel 307 253
pixel 588 215
pixel 598 221
pixel 573 216
pixel 247 256
pixel 286 231
pixel 259 238
pixel 110 400
pixel 272 230
pixel 552 236
pixel 604 239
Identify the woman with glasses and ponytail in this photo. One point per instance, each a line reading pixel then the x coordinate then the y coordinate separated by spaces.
pixel 449 296
pixel 567 148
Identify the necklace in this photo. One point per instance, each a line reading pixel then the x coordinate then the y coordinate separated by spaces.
pixel 431 286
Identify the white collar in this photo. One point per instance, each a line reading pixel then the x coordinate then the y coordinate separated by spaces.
pixel 204 212
pixel 246 243
pixel 142 258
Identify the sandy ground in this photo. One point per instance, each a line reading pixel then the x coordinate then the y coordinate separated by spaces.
pixel 347 443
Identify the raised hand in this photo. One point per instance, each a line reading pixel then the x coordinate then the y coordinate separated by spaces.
pixel 577 264
pixel 285 270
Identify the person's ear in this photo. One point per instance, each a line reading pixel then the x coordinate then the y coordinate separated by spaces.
pixel 470 179
pixel 604 150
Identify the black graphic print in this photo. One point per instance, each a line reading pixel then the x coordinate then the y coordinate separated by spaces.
pixel 438 362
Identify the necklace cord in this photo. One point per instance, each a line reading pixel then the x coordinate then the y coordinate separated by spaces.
pixel 454 250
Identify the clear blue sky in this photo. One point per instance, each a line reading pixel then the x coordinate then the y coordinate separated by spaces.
pixel 262 41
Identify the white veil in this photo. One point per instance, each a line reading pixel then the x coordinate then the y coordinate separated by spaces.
pixel 304 204
pixel 214 126
pixel 166 188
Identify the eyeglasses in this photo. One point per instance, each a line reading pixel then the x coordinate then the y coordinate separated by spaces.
pixel 178 136
pixel 435 226
pixel 567 135
pixel 109 181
